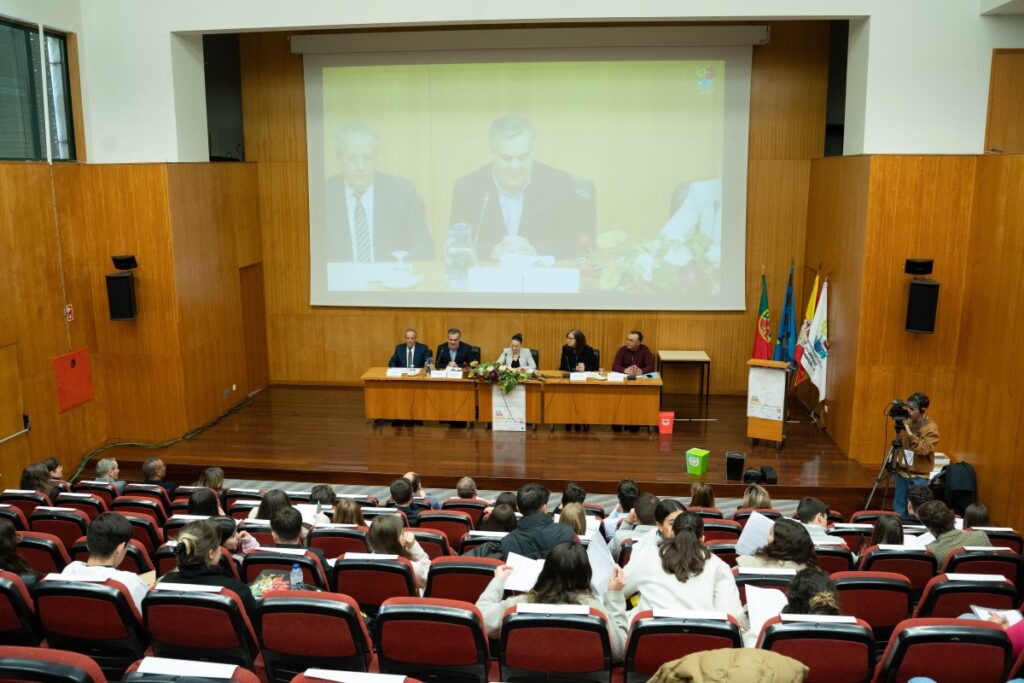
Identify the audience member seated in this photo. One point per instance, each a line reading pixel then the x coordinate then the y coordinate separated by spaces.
pixel 503 520
pixel 638 523
pixel 789 547
pixel 916 497
pixel 573 493
pixel 273 501
pixel 665 513
pixel 626 492
pixel 466 489
pixel 54 469
pixel 154 471
pixel 401 498
pixel 286 528
pixel 977 515
pixel 238 543
pixel 212 478
pixel 108 471
pixel 756 496
pixel 812 592
pixel 1015 633
pixel 107 540
pixel 198 553
pixel 36 477
pixel 940 522
pixel 10 561
pixel 324 497
pixel 508 498
pixel 387 537
pixel 813 514
pixel 564 580
pixel 418 492
pixel 536 534
pixel 573 516
pixel 888 531
pixel 348 511
pixel 683 574
pixel 702 495
pixel 204 502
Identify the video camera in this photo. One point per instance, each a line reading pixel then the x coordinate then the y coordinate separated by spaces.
pixel 899 411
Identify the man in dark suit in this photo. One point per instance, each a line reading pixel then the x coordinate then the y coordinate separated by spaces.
pixel 411 354
pixel 519 205
pixel 456 353
pixel 372 214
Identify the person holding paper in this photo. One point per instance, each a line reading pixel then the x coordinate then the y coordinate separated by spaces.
pixel 683 574
pixel 918 437
pixel 564 580
pixel 536 534
pixel 635 358
pixel 516 356
pixel 455 353
pixel 410 353
pixel 789 547
pixel 387 537
pixel 941 523
pixel 107 540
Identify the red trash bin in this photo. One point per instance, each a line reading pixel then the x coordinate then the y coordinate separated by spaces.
pixel 666 420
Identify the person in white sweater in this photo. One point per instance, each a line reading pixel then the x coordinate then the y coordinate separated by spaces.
pixel 564 580
pixel 682 574
pixel 387 537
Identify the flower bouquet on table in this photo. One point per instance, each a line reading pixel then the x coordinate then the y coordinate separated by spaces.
pixel 503 375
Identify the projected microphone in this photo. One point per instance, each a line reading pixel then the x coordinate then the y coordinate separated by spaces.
pixel 480 221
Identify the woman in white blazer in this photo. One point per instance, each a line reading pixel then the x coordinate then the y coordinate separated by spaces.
pixel 516 356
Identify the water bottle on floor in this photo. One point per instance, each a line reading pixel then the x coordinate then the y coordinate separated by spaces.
pixel 295 579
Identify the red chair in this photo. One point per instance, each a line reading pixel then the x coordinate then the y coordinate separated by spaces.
pixel 474 507
pixel 997 561
pixel 207 626
pixel 239 675
pixel 725 550
pixel 336 540
pixel 871 516
pixel 174 524
pixel 26 501
pixel 1005 538
pixel 755 577
pixel 459 578
pixel 917 564
pixel 146 531
pixel 371 581
pixel 743 514
pixel 722 530
pixel 473 539
pixel 65 523
pixel 45 553
pixel 264 559
pixel 240 509
pixel 834 652
pixel 140 505
pixel 434 543
pixel 882 599
pixel 103 489
pixel 99 620
pixel 154 491
pixel 45 665
pixel 305 629
pixel 232 496
pixel 655 640
pixel 258 529
pixel 947 650
pixel 834 558
pixel 626 552
pixel 451 523
pixel 707 513
pixel 136 559
pixel 555 646
pixel 89 503
pixel 303 678
pixel 183 493
pixel 165 558
pixel 594 510
pixel 946 598
pixel 14 515
pixel 432 638
pixel 18 622
pixel 856 537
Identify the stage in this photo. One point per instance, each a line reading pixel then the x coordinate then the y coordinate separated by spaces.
pixel 321 434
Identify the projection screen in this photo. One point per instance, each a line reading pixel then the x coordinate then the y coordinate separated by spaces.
pixel 588 179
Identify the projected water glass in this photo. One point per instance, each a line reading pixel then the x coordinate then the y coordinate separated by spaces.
pixel 403 270
pixel 459 255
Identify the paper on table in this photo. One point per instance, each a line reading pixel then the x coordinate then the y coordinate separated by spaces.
pixel 762 605
pixel 396 372
pixel 602 566
pixel 957 576
pixel 452 373
pixel 353 676
pixel 616 377
pixel 524 572
pixel 438 374
pixel 185 667
pixel 1011 615
pixel 919 541
pixel 755 534
pixel 977 548
pixel 578 376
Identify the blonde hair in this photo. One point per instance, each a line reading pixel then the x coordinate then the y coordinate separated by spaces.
pixel 574 516
pixel 348 511
pixel 756 497
pixel 196 541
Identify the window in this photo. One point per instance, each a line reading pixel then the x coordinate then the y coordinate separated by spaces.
pixel 24 103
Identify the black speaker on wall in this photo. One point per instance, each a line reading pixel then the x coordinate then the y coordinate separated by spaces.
pixel 921 305
pixel 121 295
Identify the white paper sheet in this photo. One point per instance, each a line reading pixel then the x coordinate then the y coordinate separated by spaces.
pixel 1011 615
pixel 524 572
pixel 185 667
pixel 820 618
pixel 959 576
pixel 762 605
pixel 438 374
pixel 353 676
pixel 369 556
pixel 689 614
pixel 577 377
pixel 186 587
pixel 976 548
pixel 754 534
pixel 539 608
pixel 602 566
pixel 918 541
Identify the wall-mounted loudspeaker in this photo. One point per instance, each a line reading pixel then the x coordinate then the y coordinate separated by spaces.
pixel 918 266
pixel 921 305
pixel 121 295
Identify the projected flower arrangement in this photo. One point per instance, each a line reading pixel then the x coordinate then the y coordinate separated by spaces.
pixel 661 264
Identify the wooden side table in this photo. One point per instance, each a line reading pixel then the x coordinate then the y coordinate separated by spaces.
pixel 690 358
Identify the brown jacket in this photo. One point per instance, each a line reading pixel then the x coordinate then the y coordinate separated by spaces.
pixel 732 665
pixel 923 439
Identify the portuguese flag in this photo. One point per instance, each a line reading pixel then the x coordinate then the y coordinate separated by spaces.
pixel 763 332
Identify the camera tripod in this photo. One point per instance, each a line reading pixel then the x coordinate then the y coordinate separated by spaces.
pixel 888 468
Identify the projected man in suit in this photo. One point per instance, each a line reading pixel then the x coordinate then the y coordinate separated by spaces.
pixel 518 205
pixel 410 354
pixel 455 353
pixel 372 214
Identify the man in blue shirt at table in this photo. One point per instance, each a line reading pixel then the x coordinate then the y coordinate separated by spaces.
pixel 411 353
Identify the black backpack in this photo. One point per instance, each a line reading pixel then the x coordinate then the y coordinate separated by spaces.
pixel 959 486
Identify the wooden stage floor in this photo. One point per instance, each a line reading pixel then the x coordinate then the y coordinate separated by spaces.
pixel 320 434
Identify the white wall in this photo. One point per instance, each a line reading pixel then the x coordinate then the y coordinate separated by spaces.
pixel 918 69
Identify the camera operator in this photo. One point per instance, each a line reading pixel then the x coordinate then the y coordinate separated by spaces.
pixel 920 435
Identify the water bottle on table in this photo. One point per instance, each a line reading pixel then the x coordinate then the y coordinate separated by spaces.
pixel 295 578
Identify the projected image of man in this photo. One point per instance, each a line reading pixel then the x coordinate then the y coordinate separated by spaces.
pixel 519 205
pixel 370 214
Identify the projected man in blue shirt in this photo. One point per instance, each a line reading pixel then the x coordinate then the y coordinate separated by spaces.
pixel 519 205
pixel 371 214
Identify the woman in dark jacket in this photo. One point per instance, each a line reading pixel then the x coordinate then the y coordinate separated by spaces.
pixel 576 355
pixel 10 561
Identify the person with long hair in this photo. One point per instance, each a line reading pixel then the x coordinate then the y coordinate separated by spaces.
pixel 665 513
pixel 204 502
pixel 273 501
pixel 502 520
pixel 212 478
pixel 888 530
pixel 36 477
pixel 977 515
pixel 55 469
pixel 238 543
pixel 789 547
pixel 387 536
pixel 348 511
pixel 683 574
pixel 756 497
pixel 812 592
pixel 515 355
pixel 198 553
pixel 702 495
pixel 564 580
pixel 577 356
pixel 10 561
pixel 574 516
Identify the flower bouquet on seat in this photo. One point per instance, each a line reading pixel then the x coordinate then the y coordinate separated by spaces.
pixel 503 375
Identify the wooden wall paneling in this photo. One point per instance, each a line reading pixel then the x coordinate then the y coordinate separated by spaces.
pixel 836 230
pixel 254 327
pixel 284 224
pixel 75 83
pixel 248 233
pixel 12 402
pixel 1004 130
pixel 296 347
pixel 273 98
